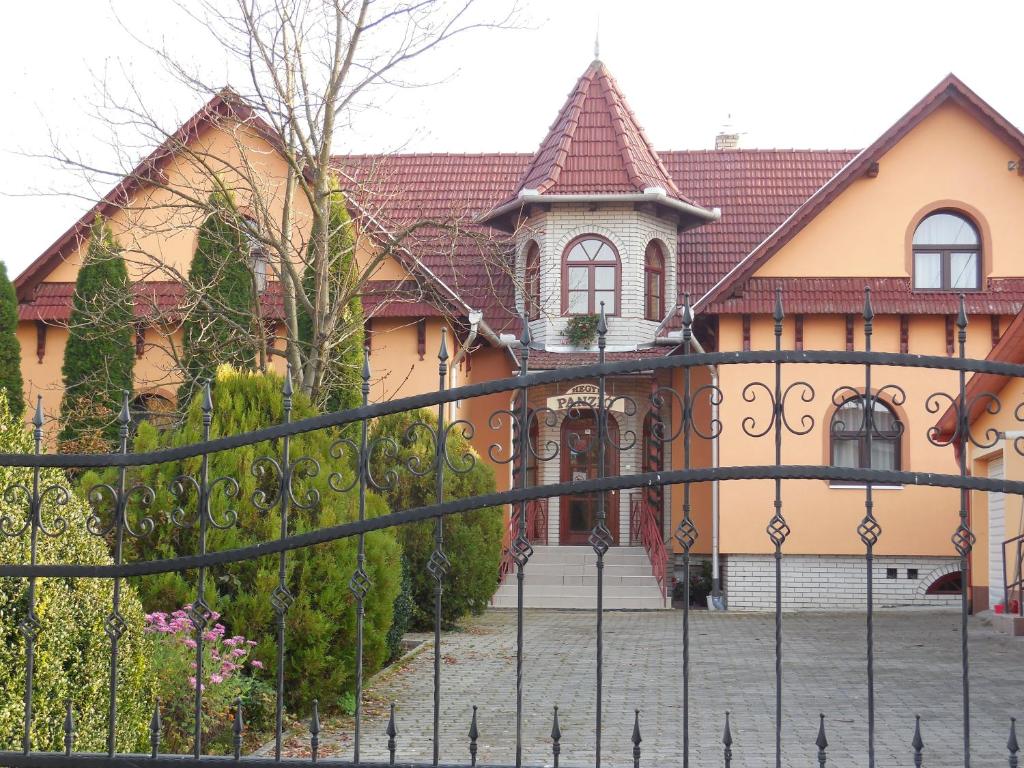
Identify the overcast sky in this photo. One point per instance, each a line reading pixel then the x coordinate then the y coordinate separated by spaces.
pixel 790 74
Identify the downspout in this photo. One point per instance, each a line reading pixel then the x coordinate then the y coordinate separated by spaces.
pixel 475 318
pixel 716 602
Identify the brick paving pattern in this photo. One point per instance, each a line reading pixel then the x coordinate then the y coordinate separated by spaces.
pixel 917 672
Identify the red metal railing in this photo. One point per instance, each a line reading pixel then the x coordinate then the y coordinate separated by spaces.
pixel 645 531
pixel 536 532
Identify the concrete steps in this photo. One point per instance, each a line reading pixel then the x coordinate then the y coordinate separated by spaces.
pixel 566 577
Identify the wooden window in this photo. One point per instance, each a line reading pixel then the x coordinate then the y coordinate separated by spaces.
pixel 654 282
pixel 590 275
pixel 40 340
pixel 531 282
pixel 849 430
pixel 947 253
pixel 421 337
pixel 259 261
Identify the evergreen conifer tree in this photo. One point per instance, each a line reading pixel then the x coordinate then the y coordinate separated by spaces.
pixel 340 388
pixel 10 349
pixel 221 329
pixel 99 357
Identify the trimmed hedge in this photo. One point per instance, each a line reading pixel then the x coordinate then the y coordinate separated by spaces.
pixel 72 653
pixel 320 659
pixel 472 540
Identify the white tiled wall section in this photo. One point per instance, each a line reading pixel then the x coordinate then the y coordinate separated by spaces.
pixel 833 582
pixel 630 231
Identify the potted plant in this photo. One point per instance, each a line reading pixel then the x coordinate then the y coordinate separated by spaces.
pixel 581 330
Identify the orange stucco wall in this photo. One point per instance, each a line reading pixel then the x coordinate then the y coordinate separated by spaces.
pixel 949 160
pixel 824 519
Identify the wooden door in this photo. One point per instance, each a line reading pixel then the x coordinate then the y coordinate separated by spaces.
pixel 578 511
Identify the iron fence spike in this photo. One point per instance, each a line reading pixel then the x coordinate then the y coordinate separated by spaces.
pixel 961 315
pixel 69 728
pixel 556 737
pixel 236 729
pixel 37 418
pixel 155 727
pixel 473 735
pixel 1011 743
pixel 286 388
pixel 687 313
pixel 727 743
pixel 366 364
pixel 636 738
pixel 207 397
pixel 778 315
pixel 917 743
pixel 392 732
pixel 602 324
pixel 821 741
pixel 124 418
pixel 869 312
pixel 314 731
pixel 525 337
pixel 442 353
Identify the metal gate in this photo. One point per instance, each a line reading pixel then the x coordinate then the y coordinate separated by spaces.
pixel 352 430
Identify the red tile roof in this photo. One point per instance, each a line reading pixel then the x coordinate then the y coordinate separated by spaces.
pixel 596 146
pixel 889 295
pixel 950 89
pixel 757 190
pixel 226 104
pixel 381 298
pixel 1009 349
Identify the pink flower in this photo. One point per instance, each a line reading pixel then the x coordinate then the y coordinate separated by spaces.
pixel 192 681
pixel 189 642
pixel 256 664
pixel 215 678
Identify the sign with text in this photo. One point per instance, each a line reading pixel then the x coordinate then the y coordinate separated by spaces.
pixel 584 396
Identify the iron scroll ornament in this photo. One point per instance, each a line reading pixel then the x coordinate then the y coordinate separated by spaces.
pixel 750 394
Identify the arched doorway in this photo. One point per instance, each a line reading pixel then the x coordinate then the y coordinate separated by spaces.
pixel 578 511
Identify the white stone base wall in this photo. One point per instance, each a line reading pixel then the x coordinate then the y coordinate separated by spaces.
pixel 833 582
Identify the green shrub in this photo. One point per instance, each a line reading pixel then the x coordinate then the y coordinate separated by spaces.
pixel 321 622
pixel 222 327
pixel 472 540
pixel 72 653
pixel 99 358
pixel 10 349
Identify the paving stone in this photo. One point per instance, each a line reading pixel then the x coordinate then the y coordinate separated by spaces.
pixel 917 663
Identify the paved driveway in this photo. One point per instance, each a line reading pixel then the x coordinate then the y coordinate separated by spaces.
pixel 917 672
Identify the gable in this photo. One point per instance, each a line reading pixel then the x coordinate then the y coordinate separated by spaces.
pixel 949 159
pixel 156 226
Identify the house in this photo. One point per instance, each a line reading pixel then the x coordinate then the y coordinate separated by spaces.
pixel 596 217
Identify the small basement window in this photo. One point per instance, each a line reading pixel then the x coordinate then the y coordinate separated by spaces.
pixel 890 573
pixel 950 584
pixel 911 573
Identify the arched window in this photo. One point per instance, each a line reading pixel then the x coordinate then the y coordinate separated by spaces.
pixel 531 282
pixel 849 435
pixel 590 275
pixel 947 253
pixel 654 282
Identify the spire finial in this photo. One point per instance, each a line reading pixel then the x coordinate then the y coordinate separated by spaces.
pixel 597 38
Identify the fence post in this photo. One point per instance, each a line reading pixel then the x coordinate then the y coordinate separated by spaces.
pixel 869 530
pixel 520 546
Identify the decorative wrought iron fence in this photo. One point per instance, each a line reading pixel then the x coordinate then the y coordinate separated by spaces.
pixel 353 435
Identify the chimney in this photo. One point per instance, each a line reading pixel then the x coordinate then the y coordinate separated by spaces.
pixel 727 141
pixel 727 137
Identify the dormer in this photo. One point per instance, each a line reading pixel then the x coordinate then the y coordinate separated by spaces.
pixel 596 217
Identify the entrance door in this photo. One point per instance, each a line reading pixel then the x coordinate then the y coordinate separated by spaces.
pixel 578 511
